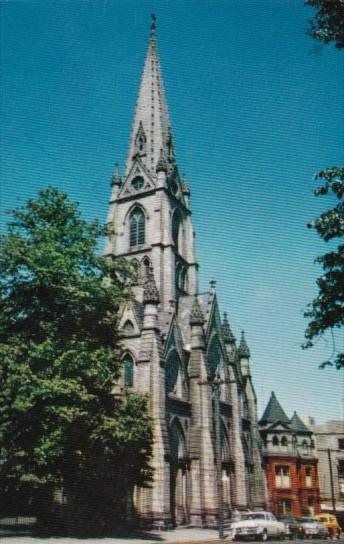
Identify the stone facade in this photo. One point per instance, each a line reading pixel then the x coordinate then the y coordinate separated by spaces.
pixel 329 439
pixel 290 463
pixel 174 342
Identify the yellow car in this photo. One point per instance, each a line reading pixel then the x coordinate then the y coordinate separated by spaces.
pixel 330 521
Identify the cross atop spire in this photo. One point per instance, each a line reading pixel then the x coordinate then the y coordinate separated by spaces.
pixel 151 132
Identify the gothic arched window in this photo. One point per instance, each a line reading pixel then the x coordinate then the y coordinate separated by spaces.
pixel 175 379
pixel 137 227
pixel 175 229
pixel 184 280
pixel 284 441
pixel 128 365
pixel 275 441
pixel 146 264
pixel 214 356
pixel 171 372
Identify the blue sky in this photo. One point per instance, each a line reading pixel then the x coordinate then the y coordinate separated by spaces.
pixel 256 109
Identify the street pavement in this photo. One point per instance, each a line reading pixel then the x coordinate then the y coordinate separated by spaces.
pixel 177 536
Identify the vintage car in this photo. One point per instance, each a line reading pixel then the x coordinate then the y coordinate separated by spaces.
pixel 313 528
pixel 294 529
pixel 330 521
pixel 257 525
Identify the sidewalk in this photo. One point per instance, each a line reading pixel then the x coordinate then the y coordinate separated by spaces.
pixel 177 536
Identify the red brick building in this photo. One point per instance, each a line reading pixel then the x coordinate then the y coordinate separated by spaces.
pixel 290 463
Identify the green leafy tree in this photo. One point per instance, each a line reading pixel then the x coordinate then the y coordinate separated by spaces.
pixel 61 425
pixel 328 23
pixel 326 312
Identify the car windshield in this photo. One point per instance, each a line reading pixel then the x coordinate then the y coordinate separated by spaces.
pixel 307 520
pixel 253 516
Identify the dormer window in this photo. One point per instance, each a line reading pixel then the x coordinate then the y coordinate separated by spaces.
pixel 284 441
pixel 275 441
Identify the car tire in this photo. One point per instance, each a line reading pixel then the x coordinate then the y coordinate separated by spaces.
pixel 264 536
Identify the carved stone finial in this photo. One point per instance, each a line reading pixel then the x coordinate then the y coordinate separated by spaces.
pixel 185 185
pixel 228 336
pixel 150 290
pixel 212 284
pixel 196 315
pixel 162 164
pixel 243 349
pixel 116 177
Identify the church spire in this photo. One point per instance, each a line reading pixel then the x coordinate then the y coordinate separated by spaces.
pixel 151 132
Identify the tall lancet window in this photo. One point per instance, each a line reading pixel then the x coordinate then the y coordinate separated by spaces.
pixel 175 229
pixel 137 227
pixel 128 365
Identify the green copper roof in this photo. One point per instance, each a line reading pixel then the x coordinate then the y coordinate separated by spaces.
pixel 274 412
pixel 298 425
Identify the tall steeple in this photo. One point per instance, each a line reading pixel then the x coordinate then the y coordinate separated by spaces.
pixel 150 214
pixel 151 135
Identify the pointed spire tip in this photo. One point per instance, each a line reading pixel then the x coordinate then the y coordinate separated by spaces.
pixel 153 24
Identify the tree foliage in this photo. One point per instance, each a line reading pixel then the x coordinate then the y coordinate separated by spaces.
pixel 326 312
pixel 328 23
pixel 60 423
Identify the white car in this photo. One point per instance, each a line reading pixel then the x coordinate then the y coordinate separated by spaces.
pixel 258 525
pixel 313 528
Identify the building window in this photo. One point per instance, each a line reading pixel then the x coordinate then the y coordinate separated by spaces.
pixel 137 227
pixel 128 365
pixel 341 443
pixel 214 356
pixel 284 507
pixel 305 444
pixel 175 230
pixel 282 476
pixel 275 441
pixel 341 477
pixel 137 183
pixel 284 441
pixel 308 477
pixel 146 265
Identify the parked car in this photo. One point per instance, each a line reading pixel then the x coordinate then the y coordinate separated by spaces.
pixel 330 521
pixel 313 528
pixel 258 525
pixel 294 529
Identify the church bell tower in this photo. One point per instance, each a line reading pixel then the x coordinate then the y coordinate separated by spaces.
pixel 149 211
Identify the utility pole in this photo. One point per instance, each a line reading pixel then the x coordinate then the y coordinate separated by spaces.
pixel 333 498
pixel 215 383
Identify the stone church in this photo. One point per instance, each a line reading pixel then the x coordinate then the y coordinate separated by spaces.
pixel 174 341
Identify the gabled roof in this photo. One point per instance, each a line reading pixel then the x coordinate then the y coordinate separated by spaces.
pixel 298 425
pixel 274 412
